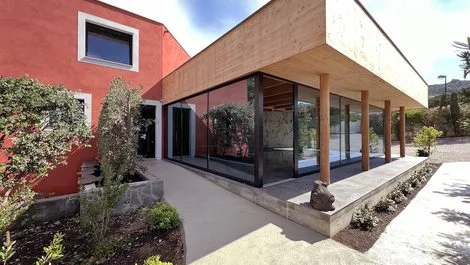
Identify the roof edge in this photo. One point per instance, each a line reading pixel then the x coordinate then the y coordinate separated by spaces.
pixel 358 2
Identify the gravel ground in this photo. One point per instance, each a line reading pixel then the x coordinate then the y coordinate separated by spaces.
pixel 453 149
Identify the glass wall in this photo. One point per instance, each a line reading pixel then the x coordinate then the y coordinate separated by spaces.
pixel 194 133
pixel 351 137
pixel 308 144
pixel 376 131
pixel 278 133
pixel 215 131
pixel 231 130
pixel 335 130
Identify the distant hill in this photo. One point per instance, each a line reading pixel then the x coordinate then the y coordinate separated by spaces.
pixel 454 85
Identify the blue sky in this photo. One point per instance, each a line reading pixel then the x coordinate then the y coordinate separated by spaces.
pixel 423 29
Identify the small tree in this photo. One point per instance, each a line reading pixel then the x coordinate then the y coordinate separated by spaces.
pixel 118 131
pixel 426 140
pixel 464 56
pixel 118 127
pixel 455 114
pixel 39 125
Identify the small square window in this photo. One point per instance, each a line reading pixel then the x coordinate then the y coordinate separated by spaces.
pixel 107 44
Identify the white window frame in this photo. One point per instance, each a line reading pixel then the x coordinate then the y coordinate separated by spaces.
pixel 158 125
pixel 83 18
pixel 86 97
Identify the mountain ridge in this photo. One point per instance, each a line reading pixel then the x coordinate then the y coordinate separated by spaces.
pixel 455 85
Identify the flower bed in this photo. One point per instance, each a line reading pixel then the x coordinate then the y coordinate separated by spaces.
pixel 363 239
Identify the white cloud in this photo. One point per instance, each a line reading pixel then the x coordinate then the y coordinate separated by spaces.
pixel 173 15
pixel 424 32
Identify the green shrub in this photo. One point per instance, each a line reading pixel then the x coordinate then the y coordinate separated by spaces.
pixel 397 196
pixel 405 188
pixel 364 219
pixel 155 260
pixel 415 180
pixel 426 140
pixel 162 217
pixel 385 205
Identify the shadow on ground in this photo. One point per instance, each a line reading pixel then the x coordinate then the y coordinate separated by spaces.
pixel 457 190
pixel 455 248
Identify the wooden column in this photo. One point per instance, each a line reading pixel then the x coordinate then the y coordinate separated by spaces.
pixel 347 131
pixel 324 129
pixel 388 131
pixel 402 132
pixel 365 129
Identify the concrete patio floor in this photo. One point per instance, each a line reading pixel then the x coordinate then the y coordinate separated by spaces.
pixel 435 227
pixel 223 228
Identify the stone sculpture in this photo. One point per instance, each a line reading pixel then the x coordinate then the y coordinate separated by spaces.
pixel 320 198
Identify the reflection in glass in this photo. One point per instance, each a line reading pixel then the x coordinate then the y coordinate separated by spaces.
pixel 174 125
pixel 335 129
pixel 350 130
pixel 278 133
pixel 194 145
pixel 376 131
pixel 231 130
pixel 308 149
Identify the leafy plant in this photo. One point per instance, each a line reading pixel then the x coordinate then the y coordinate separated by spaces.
pixel 162 217
pixel 97 204
pixel 8 249
pixel 39 126
pixel 118 131
pixel 232 126
pixel 464 56
pixel 373 140
pixel 118 128
pixel 405 188
pixel 426 139
pixel 455 114
pixel 385 205
pixel 54 251
pixel 365 219
pixel 397 196
pixel 155 260
pixel 415 180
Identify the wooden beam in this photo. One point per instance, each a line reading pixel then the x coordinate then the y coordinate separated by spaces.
pixel 279 90
pixel 280 102
pixel 388 131
pixel 402 132
pixel 283 106
pixel 365 130
pixel 279 98
pixel 324 129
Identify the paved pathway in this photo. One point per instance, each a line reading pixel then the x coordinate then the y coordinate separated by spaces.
pixel 435 227
pixel 222 228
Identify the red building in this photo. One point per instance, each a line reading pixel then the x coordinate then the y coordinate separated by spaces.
pixel 84 44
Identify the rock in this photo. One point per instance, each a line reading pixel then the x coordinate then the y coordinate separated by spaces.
pixel 320 198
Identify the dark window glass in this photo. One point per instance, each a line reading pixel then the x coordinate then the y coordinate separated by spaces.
pixel 308 149
pixel 376 131
pixel 278 132
pixel 351 138
pixel 194 131
pixel 231 130
pixel 107 44
pixel 335 129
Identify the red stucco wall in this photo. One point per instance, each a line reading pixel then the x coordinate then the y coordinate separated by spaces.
pixel 39 38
